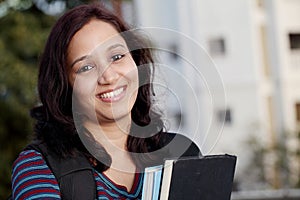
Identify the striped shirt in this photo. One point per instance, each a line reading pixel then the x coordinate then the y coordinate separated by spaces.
pixel 32 179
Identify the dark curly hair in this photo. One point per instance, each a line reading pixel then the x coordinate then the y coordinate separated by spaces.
pixel 55 124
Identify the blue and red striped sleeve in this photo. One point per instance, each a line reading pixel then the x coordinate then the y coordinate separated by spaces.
pixel 32 178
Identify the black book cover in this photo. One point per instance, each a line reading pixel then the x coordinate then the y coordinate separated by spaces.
pixel 205 178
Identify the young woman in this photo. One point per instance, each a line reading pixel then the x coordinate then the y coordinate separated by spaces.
pixel 95 88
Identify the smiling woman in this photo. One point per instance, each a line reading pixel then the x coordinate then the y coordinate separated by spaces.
pixel 105 77
pixel 97 113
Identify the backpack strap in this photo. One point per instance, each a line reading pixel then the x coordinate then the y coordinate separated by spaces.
pixel 179 145
pixel 74 174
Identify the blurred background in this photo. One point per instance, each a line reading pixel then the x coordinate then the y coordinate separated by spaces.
pixel 248 105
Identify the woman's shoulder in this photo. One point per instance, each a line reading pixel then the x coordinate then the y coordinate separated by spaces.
pixel 180 145
pixel 28 160
pixel 32 178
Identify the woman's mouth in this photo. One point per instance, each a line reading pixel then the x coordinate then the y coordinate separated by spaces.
pixel 112 95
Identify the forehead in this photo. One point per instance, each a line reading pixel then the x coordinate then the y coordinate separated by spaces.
pixel 90 36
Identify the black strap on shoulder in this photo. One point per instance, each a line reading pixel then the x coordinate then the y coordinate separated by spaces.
pixel 179 145
pixel 74 174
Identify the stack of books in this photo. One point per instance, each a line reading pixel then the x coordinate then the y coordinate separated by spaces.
pixel 199 178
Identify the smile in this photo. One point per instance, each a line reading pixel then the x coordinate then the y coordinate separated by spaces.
pixel 113 95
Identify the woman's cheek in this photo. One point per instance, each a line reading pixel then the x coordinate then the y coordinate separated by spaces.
pixel 84 86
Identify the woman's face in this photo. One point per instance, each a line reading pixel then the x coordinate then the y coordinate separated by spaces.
pixel 102 72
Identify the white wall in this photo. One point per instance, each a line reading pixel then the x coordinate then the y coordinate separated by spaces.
pixel 288 22
pixel 233 20
pixel 239 71
pixel 202 20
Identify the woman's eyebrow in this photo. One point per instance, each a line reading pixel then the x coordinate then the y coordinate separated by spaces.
pixel 108 49
pixel 78 60
pixel 116 46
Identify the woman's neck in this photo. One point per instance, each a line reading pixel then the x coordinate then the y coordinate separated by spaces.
pixel 112 137
pixel 109 134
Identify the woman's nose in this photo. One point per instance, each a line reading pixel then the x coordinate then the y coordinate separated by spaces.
pixel 108 76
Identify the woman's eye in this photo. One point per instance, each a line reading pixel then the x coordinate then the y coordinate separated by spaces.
pixel 85 68
pixel 117 57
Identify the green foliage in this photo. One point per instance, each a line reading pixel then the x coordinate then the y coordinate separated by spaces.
pixel 22 37
pixel 279 166
pixel 24 27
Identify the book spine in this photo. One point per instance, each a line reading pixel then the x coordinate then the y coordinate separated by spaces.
pixel 166 180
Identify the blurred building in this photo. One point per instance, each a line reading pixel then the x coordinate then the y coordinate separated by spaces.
pixel 246 87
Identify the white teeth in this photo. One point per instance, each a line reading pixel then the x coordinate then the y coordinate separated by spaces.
pixel 112 93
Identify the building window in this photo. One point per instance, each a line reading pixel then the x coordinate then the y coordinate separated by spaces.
pixel 179 119
pixel 260 3
pixel 297 107
pixel 174 51
pixel 122 8
pixel 217 46
pixel 225 116
pixel 294 39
